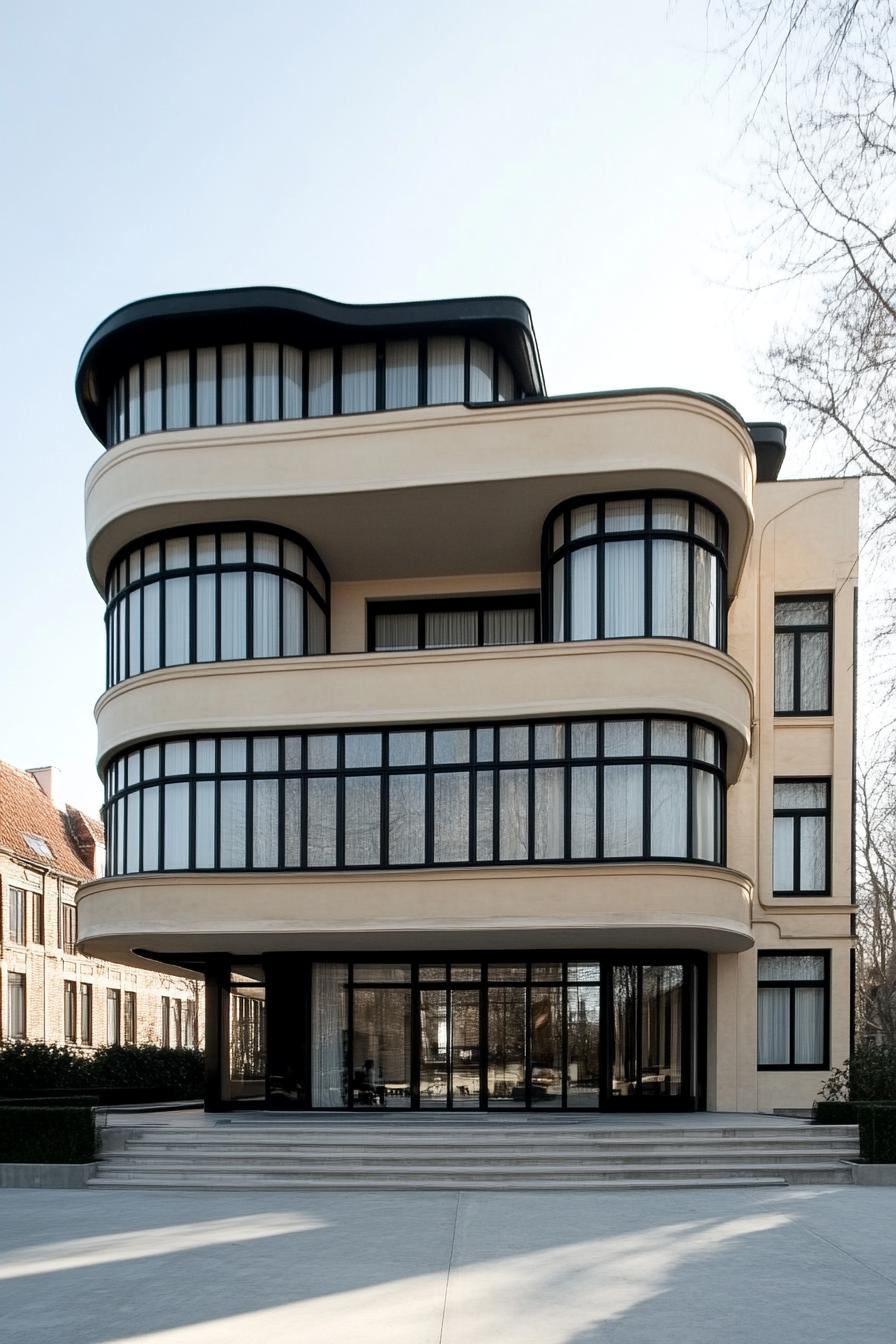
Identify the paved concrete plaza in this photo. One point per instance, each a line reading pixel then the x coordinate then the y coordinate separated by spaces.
pixel 800 1264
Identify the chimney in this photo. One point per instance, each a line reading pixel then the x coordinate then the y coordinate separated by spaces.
pixel 49 777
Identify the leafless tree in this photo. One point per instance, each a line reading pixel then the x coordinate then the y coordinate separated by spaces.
pixel 876 896
pixel 823 114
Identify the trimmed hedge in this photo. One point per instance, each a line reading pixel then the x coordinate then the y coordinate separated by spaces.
pixel 47 1134
pixel 62 1099
pixel 128 1070
pixel 836 1113
pixel 877 1133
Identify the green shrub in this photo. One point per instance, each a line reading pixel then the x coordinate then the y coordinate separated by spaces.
pixel 51 1134
pixel 30 1064
pixel 149 1066
pixel 877 1133
pixel 835 1113
pixel 870 1075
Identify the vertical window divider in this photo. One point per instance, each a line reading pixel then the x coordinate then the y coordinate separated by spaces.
pixel 219 382
pixel 280 415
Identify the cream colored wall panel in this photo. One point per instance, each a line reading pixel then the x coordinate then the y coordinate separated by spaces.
pixel 443 489
pixel 610 905
pixel 523 681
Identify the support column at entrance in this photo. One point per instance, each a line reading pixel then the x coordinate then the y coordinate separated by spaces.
pixel 217 1034
pixel 287 980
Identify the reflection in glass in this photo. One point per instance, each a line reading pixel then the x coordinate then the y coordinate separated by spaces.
pixel 547 1045
pixel 506 1079
pixel 625 1031
pixel 329 1036
pixel 433 1048
pixel 583 1044
pixel 381 1048
pixel 661 1024
pixel 464 1047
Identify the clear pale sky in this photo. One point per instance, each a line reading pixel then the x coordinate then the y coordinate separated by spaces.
pixel 584 156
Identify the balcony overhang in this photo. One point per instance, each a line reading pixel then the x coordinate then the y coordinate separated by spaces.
pixel 628 676
pixel 435 490
pixel 640 905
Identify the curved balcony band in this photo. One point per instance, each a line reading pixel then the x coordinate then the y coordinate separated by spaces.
pixel 623 566
pixel 231 357
pixel 573 791
pixel 214 594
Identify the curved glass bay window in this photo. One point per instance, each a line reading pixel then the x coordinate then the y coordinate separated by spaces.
pixel 616 567
pixel 566 791
pixel 267 380
pixel 206 595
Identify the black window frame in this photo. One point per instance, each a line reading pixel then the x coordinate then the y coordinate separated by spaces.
pixel 117 595
pixel 551 554
pixel 792 986
pixel 797 631
pixel 118 407
pixel 17 980
pixel 120 788
pixel 797 813
pixel 476 602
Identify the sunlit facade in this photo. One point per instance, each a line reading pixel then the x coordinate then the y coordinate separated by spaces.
pixel 483 749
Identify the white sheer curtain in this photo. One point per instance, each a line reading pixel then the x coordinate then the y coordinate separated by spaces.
pixel 205 824
pixel 152 395
pixel 317 628
pixel 402 362
pixel 549 813
pixel 266 615
pixel 134 632
pixel 177 825
pixel 784 664
pixel 233 615
pixel 482 362
pixel 774 1025
pixel 450 629
pixel 808 1025
pixel 512 625
pixel 813 876
pixel 177 621
pixel 670 589
pixel 265 381
pixel 151 626
pixel 559 615
pixel 485 810
pixel 407 813
pixel 132 851
pixel 329 1026
pixel 583 804
pixel 321 798
pixel 583 596
pixel 233 823
pixel 292 618
pixel 814 669
pixel 358 378
pixel 395 632
pixel 704 805
pixel 233 384
pixel 782 852
pixel 624 515
pixel 706 597
pixel 451 822
pixel 623 589
pixel 265 822
pixel 362 820
pixel 206 386
pixel 445 370
pixel 177 389
pixel 320 382
pixel 669 811
pixel 292 383
pixel 669 514
pixel 513 828
pixel 134 415
pixel 292 836
pixel 205 618
pixel 150 829
pixel 623 811
pixel 624 737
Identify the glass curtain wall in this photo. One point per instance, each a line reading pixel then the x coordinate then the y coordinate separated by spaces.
pixel 622 568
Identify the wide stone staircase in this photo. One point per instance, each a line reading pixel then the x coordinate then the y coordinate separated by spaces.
pixel 483 1152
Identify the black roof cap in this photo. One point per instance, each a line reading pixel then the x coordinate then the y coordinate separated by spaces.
pixel 221 316
pixel 770 441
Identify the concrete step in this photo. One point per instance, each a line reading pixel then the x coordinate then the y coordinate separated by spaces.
pixel 502 1175
pixel 139 1153
pixel 433 1183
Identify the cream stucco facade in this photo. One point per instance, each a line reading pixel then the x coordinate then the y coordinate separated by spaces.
pixel 448 504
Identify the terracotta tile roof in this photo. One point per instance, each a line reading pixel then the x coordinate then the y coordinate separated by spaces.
pixel 26 810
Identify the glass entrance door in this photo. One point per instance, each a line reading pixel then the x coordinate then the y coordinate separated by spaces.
pixel 650 1007
pixel 381 1048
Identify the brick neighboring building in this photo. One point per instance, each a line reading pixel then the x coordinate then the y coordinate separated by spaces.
pixel 49 991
